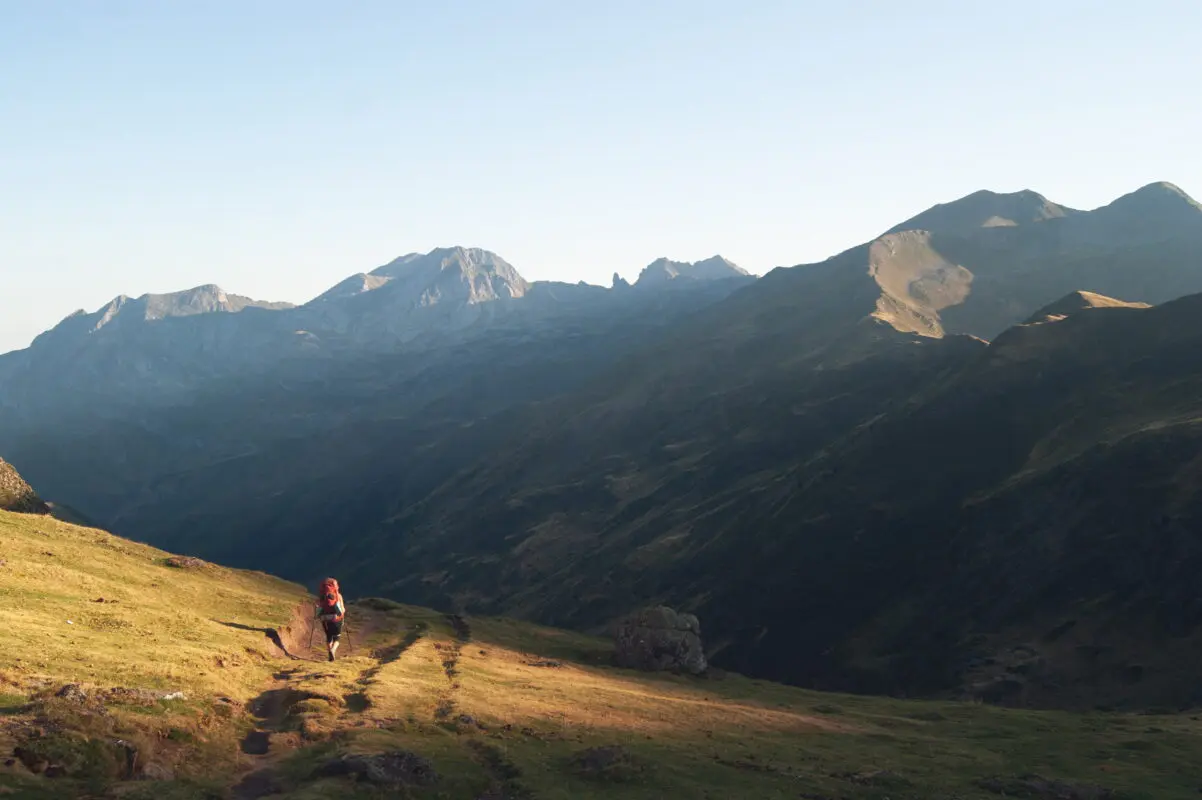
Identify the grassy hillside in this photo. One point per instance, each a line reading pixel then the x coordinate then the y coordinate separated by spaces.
pixel 496 708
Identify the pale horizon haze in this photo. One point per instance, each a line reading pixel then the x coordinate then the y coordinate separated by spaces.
pixel 274 148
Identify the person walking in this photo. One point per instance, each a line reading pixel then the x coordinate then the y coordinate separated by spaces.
pixel 332 612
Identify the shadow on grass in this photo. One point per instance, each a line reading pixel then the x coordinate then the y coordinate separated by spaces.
pixel 271 633
pixel 387 655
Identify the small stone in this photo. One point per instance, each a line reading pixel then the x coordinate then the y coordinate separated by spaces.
pixel 546 663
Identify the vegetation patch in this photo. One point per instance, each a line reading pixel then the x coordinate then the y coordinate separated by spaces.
pixel 1034 786
pixel 12 703
pixel 382 604
pixel 71 755
pixel 612 764
pixel 883 779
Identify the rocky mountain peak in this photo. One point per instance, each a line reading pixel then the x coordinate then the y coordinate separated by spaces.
pixel 1159 199
pixel 427 279
pixel 711 269
pixel 124 310
pixel 1076 302
pixel 985 209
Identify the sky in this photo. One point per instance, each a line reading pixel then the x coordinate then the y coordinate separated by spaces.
pixel 275 147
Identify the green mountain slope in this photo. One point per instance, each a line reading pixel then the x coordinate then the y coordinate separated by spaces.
pixel 839 480
pixel 127 677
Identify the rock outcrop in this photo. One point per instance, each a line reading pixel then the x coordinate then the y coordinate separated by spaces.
pixel 658 640
pixel 16 494
pixel 396 768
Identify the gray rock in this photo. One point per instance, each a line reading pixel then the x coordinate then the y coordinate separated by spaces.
pixel 185 562
pixel 157 772
pixel 123 695
pixel 394 768
pixel 72 692
pixel 660 639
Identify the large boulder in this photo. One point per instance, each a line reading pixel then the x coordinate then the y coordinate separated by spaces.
pixel 658 640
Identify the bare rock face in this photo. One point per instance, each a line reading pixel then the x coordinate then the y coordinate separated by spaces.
pixel 660 640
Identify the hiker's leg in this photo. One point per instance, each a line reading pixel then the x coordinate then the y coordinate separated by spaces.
pixel 329 629
pixel 334 636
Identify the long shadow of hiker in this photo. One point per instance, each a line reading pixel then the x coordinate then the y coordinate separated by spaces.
pixel 386 655
pixel 270 633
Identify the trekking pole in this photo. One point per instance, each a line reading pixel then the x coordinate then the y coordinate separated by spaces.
pixel 312 633
pixel 350 646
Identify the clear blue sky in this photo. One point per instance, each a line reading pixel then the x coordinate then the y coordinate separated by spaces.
pixel 274 147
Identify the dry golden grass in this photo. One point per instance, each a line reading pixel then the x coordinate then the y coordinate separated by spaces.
pixel 504 687
pixel 158 627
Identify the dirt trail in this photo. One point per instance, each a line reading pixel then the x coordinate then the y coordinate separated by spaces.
pixel 274 735
pixel 266 744
pixel 504 776
pixel 450 652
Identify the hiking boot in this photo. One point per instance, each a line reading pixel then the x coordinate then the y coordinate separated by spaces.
pixel 331 656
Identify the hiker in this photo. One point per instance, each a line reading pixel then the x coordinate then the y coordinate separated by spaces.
pixel 330 610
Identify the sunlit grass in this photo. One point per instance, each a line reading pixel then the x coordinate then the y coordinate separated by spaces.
pixel 157 627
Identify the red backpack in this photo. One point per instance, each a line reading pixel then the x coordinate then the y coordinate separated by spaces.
pixel 328 594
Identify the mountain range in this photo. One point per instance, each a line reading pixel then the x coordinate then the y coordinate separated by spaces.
pixel 961 458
